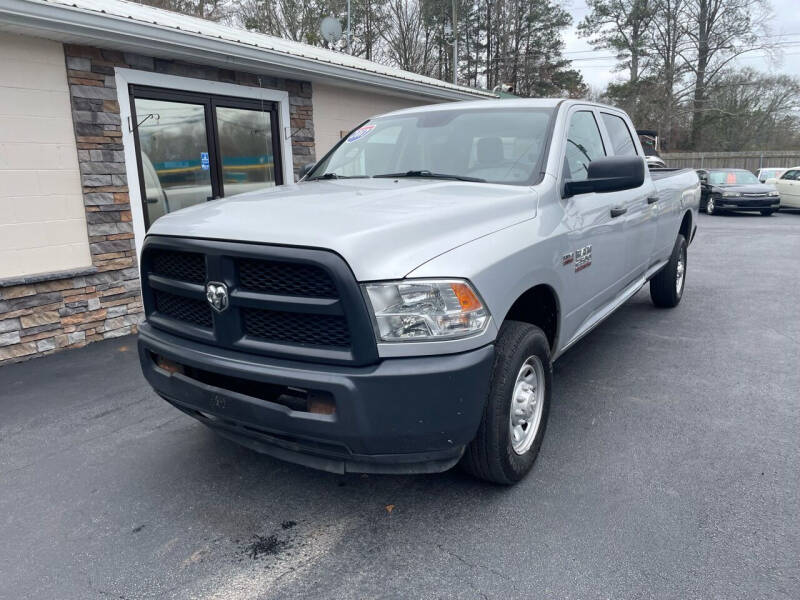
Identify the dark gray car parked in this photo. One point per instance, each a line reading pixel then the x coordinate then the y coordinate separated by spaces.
pixel 736 189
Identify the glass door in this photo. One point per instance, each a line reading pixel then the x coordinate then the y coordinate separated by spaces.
pixel 174 156
pixel 246 153
pixel 194 148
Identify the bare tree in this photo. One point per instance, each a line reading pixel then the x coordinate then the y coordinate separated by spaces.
pixel 406 44
pixel 667 41
pixel 213 10
pixel 718 31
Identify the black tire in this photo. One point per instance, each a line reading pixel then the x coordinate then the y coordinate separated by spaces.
pixel 491 456
pixel 767 212
pixel 711 206
pixel 664 289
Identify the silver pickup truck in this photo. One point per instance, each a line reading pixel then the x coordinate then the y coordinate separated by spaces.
pixel 399 310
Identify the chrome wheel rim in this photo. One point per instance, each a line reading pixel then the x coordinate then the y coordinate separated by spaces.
pixel 527 403
pixel 710 206
pixel 680 271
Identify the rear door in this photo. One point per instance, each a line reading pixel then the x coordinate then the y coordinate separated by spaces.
pixel 594 262
pixel 640 203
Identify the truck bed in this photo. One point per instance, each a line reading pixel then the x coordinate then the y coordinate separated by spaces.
pixel 656 174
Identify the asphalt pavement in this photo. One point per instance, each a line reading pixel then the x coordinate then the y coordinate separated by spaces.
pixel 670 469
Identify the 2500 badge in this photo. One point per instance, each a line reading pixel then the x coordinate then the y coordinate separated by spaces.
pixel 581 258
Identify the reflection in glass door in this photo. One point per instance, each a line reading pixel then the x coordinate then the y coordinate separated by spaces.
pixel 196 147
pixel 173 149
pixel 245 149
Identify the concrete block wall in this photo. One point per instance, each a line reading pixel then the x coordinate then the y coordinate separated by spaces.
pixel 48 312
pixel 42 220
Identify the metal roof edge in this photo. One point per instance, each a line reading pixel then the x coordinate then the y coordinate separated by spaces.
pixel 92 27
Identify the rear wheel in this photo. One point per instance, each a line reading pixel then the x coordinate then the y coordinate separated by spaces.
pixel 666 288
pixel 710 206
pixel 515 417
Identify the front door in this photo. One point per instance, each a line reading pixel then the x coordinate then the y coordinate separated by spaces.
pixel 194 147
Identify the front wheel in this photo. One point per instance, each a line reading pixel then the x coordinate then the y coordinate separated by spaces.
pixel 767 212
pixel 666 288
pixel 515 417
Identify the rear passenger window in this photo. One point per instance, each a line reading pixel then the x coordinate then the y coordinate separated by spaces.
pixel 621 139
pixel 584 144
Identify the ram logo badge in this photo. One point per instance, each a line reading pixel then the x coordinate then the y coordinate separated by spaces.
pixel 217 296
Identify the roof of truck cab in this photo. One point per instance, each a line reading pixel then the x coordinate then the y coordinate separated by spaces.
pixel 500 103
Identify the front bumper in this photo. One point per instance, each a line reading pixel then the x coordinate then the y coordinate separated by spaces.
pixel 772 202
pixel 404 415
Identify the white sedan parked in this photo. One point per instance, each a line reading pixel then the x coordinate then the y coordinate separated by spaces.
pixel 789 188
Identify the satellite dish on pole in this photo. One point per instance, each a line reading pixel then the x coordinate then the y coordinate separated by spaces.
pixel 331 29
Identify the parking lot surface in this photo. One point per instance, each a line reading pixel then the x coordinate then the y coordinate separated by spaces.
pixel 670 469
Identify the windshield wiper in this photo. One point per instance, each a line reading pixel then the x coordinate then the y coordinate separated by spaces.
pixel 335 176
pixel 425 173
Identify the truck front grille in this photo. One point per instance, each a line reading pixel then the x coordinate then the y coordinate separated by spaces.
pixel 296 328
pixel 183 266
pixel 181 308
pixel 287 302
pixel 285 278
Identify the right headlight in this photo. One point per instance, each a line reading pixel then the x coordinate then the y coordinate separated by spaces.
pixel 425 309
pixel 729 194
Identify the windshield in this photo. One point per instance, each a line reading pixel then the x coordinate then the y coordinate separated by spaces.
pixel 495 145
pixel 731 178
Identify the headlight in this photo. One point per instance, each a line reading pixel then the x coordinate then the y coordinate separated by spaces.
pixel 774 193
pixel 729 194
pixel 425 309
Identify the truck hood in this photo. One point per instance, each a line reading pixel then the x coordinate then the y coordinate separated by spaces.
pixel 383 228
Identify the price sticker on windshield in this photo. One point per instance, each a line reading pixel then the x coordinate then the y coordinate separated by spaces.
pixel 360 133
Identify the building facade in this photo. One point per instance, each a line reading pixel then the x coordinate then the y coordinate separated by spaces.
pixel 111 117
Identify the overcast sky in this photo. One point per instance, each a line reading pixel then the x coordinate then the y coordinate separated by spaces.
pixel 597 66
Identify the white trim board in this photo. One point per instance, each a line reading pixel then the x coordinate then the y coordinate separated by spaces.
pixel 126 77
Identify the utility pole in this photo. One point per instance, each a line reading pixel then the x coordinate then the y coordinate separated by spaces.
pixel 349 50
pixel 488 43
pixel 455 44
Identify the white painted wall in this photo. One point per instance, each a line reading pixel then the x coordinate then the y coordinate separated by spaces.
pixel 42 218
pixel 338 109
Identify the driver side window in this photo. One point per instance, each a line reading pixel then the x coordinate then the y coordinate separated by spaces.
pixel 584 144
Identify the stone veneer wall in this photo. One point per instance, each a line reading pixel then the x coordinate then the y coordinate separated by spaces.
pixel 45 313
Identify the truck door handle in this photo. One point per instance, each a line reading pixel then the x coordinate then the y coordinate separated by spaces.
pixel 652 199
pixel 618 212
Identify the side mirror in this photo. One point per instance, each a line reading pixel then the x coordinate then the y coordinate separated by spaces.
pixel 610 174
pixel 306 169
